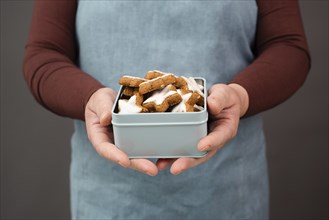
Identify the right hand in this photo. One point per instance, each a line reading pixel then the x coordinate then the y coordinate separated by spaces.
pixel 226 104
pixel 98 119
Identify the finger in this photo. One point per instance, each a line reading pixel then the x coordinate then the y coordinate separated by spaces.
pixel 144 166
pixel 111 152
pixel 101 138
pixel 102 103
pixel 96 133
pixel 226 118
pixel 217 100
pixel 222 131
pixel 104 112
pixel 183 164
pixel 106 118
pixel 164 163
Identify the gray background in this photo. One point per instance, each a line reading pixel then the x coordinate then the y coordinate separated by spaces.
pixel 35 144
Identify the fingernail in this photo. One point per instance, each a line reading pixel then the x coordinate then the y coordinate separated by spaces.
pixel 122 164
pixel 204 148
pixel 149 173
pixel 177 173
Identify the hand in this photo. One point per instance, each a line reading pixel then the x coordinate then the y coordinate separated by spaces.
pixel 98 118
pixel 226 104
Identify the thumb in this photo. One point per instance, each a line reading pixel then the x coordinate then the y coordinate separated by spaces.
pixel 101 103
pixel 106 117
pixel 216 100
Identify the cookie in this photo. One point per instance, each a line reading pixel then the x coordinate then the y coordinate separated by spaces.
pixel 161 100
pixel 198 108
pixel 156 83
pixel 131 81
pixel 181 83
pixel 153 74
pixel 132 105
pixel 189 84
pixel 188 102
pixel 129 91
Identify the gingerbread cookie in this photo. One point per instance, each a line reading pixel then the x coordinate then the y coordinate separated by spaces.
pixel 129 91
pixel 131 81
pixel 156 83
pixel 161 100
pixel 153 74
pixel 189 84
pixel 198 108
pixel 132 105
pixel 188 102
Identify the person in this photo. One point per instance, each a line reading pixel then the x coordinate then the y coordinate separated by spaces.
pixel 253 54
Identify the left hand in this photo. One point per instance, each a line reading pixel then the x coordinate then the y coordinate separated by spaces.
pixel 226 104
pixel 98 118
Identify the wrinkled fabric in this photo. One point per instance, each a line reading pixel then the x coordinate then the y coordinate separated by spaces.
pixel 211 39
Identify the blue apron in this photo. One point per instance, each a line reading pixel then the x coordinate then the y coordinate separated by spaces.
pixel 211 39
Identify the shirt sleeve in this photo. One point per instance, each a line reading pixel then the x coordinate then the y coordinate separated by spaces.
pixel 49 63
pixel 282 56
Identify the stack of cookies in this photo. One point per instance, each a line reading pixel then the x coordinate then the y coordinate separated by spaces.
pixel 160 92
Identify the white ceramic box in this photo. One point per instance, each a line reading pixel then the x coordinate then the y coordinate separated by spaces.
pixel 160 135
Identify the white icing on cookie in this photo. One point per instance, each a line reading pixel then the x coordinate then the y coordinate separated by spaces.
pixel 193 85
pixel 134 77
pixel 152 80
pixel 197 107
pixel 181 107
pixel 129 106
pixel 159 96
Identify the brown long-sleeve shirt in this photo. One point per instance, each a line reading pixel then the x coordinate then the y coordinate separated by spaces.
pixel 280 68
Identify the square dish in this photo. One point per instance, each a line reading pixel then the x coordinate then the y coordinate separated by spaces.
pixel 160 135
